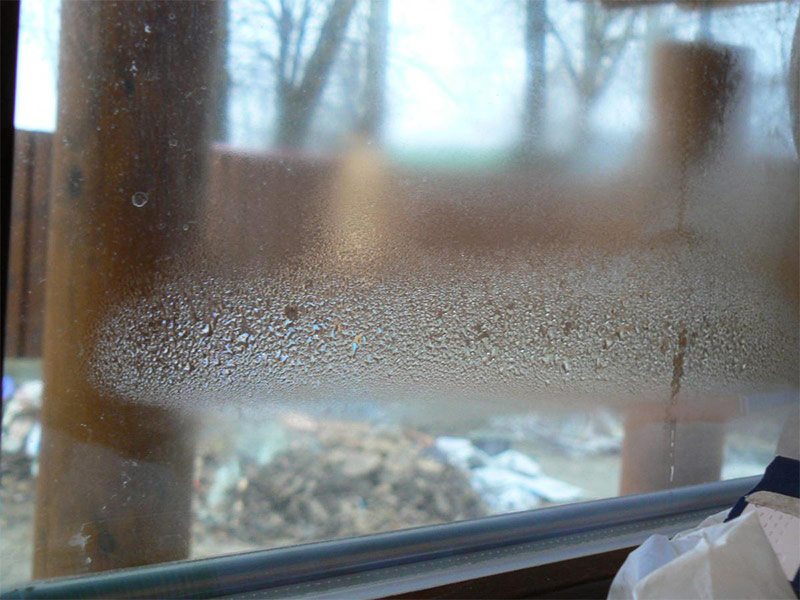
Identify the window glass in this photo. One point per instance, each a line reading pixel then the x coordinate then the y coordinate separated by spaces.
pixel 289 271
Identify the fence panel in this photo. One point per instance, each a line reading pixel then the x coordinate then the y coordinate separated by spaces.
pixel 28 243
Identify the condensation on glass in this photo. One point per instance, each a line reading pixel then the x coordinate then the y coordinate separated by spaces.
pixel 323 269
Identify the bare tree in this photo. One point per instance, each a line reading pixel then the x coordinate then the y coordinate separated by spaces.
pixel 356 94
pixel 301 69
pixel 600 54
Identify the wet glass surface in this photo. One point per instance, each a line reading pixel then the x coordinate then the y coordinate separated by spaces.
pixel 395 264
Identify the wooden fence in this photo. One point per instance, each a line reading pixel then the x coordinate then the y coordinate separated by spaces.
pixel 259 198
pixel 269 207
pixel 28 243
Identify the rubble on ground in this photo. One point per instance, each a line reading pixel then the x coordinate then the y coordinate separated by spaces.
pixel 21 429
pixel 348 479
pixel 295 479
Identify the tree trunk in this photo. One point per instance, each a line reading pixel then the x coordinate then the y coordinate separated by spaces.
pixel 535 84
pixel 375 82
pixel 794 86
pixel 296 104
pixel 589 74
pixel 223 77
pixel 135 88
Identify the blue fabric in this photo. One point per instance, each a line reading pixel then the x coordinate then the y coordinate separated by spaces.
pixel 782 477
pixel 8 387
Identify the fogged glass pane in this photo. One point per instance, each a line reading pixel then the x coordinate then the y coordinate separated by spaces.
pixel 369 265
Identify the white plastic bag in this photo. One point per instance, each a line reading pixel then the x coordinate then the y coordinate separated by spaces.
pixel 715 560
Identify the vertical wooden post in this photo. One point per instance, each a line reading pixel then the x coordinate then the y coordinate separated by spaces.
pixel 652 460
pixel 696 92
pixel 135 89
pixel 696 89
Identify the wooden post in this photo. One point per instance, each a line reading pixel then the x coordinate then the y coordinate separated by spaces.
pixel 653 460
pixel 135 88
pixel 696 91
pixel 695 88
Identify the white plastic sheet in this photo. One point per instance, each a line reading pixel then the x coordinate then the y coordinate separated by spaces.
pixel 461 453
pixel 509 481
pixel 715 560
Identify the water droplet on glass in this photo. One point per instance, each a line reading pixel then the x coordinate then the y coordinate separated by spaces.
pixel 139 199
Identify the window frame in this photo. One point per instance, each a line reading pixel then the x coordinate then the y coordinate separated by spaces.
pixel 574 547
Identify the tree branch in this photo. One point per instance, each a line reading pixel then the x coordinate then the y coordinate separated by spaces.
pixel 616 50
pixel 573 73
pixel 302 25
pixel 271 14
